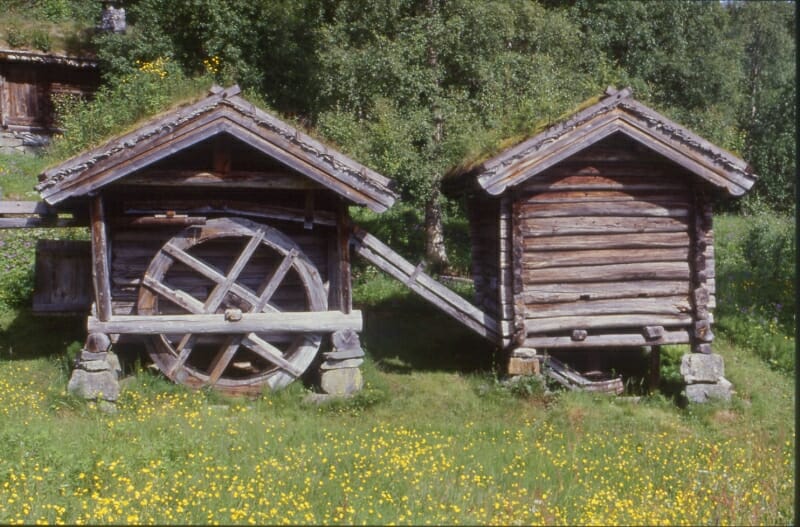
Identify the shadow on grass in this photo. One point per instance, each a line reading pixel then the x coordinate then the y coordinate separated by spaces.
pixel 404 333
pixel 24 335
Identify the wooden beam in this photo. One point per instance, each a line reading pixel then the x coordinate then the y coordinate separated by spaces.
pixel 606 341
pixel 344 281
pixel 227 208
pixel 213 178
pixel 259 323
pixel 101 275
pixel 566 323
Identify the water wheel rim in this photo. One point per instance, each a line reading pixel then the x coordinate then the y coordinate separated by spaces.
pixel 302 349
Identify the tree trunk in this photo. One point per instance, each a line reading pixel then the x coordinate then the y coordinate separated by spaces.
pixel 435 251
pixel 434 233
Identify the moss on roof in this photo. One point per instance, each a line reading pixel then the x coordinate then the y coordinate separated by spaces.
pixel 476 159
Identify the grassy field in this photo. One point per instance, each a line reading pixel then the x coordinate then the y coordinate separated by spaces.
pixel 434 438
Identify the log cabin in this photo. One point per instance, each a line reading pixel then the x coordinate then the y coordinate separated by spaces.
pixel 220 237
pixel 28 82
pixel 596 232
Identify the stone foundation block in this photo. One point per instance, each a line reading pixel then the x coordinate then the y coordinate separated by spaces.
pixel 94 384
pixel 701 393
pixel 701 368
pixel 523 366
pixel 341 381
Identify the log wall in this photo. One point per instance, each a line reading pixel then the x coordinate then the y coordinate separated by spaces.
pixel 613 247
pixel 490 233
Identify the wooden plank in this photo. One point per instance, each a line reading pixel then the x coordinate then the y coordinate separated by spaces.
pixel 200 324
pixel 545 259
pixel 534 227
pixel 100 257
pixel 607 340
pixel 608 241
pixel 26 207
pixel 541 293
pixel 544 325
pixel 380 255
pixel 674 305
pixel 613 208
pixel 31 223
pixel 612 272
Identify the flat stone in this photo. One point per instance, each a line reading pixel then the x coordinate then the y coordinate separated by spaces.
pixel 344 381
pixel 345 354
pixel 525 353
pixel 702 368
pixel 88 355
pixel 94 365
pixel 339 364
pixel 701 393
pixel 94 385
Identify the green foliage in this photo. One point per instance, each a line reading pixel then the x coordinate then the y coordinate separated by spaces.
pixel 756 285
pixel 151 88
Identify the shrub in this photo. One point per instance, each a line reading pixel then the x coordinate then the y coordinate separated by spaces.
pixel 756 283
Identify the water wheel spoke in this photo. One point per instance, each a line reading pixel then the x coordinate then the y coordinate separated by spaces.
pixel 269 352
pixel 272 283
pixel 212 274
pixel 176 296
pixel 218 293
pixel 223 358
pixel 183 350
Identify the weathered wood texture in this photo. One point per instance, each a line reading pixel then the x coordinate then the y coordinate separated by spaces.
pixel 63 277
pixel 702 260
pixel 604 248
pixel 101 274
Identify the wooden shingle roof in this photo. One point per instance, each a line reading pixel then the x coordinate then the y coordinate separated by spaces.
pixel 222 112
pixel 618 112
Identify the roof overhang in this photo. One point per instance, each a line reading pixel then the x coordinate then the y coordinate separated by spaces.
pixel 223 112
pixel 617 113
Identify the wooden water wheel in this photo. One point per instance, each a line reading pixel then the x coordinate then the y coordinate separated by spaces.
pixel 230 267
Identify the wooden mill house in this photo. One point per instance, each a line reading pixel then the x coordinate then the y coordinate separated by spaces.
pixel 219 236
pixel 597 231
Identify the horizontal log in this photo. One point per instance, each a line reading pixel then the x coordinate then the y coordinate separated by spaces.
pixel 541 293
pixel 632 208
pixel 592 196
pixel 669 305
pixel 627 181
pixel 532 227
pixel 606 341
pixel 544 325
pixel 545 259
pixel 299 322
pixel 158 221
pixel 608 241
pixel 611 272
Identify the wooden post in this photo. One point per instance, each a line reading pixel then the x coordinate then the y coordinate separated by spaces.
pixel 100 256
pixel 655 368
pixel 702 272
pixel 517 250
pixel 343 237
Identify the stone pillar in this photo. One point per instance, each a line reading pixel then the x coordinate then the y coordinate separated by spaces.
pixel 340 373
pixel 704 377
pixel 524 361
pixel 97 371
